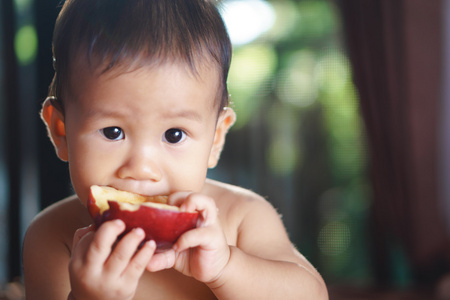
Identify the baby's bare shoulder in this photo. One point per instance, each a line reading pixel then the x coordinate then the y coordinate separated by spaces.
pixel 231 195
pixel 60 220
pixel 256 222
pixel 47 247
pixel 237 203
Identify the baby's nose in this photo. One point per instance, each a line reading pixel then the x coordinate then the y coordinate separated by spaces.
pixel 140 166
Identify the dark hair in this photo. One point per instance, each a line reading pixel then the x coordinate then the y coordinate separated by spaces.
pixel 134 33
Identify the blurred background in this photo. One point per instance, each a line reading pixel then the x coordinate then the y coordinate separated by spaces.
pixel 342 124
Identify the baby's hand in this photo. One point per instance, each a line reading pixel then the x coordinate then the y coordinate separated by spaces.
pixel 101 269
pixel 202 252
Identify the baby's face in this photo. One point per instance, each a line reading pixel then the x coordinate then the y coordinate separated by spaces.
pixel 149 131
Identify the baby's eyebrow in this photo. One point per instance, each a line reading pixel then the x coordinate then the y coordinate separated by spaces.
pixel 93 113
pixel 185 114
pixel 175 114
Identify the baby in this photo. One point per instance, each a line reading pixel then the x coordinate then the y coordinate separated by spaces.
pixel 139 102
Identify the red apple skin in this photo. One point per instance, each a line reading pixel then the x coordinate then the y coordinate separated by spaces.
pixel 161 225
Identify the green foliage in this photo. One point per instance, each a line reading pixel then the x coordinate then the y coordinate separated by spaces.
pixel 26 43
pixel 295 83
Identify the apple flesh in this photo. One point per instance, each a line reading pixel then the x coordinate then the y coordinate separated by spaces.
pixel 161 222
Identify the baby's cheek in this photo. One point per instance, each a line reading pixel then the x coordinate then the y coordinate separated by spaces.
pixel 191 178
pixel 88 168
pixel 82 179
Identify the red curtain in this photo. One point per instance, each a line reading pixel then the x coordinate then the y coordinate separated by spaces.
pixel 395 48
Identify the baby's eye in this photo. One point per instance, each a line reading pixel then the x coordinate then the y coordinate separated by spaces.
pixel 113 133
pixel 174 136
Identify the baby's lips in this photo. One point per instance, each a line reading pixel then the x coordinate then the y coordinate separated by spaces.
pixel 161 222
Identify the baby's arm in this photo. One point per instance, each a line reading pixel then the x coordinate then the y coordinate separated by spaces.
pixel 262 265
pixel 266 261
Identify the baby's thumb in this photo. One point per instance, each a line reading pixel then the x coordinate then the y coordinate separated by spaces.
pixel 80 233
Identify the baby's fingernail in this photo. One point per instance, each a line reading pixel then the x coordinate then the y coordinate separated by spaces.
pixel 139 231
pixel 119 223
pixel 152 244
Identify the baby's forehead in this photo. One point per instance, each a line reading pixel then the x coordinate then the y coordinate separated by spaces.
pixel 201 70
pixel 206 71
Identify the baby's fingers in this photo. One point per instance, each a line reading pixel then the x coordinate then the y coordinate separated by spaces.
pixel 162 260
pixel 204 205
pixel 208 238
pixel 104 239
pixel 124 250
pixel 139 262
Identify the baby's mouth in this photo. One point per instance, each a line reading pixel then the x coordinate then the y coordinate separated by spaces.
pixel 142 192
pixel 138 198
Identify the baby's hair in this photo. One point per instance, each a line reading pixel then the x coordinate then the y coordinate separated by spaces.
pixel 127 34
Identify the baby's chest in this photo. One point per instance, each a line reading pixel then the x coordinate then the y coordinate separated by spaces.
pixel 169 284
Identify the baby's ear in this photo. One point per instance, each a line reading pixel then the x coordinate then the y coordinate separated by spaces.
pixel 225 121
pixel 53 116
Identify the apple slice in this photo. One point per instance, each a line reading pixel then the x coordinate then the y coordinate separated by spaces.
pixel 161 222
